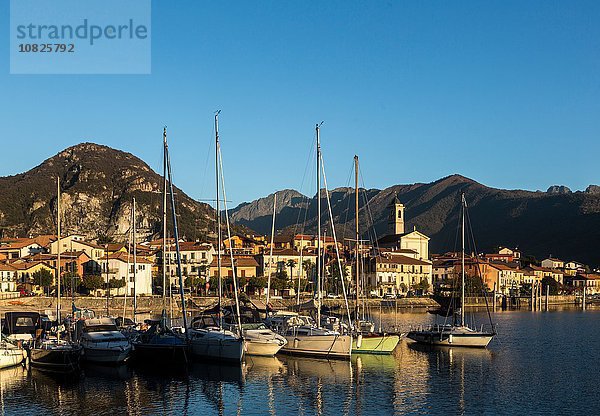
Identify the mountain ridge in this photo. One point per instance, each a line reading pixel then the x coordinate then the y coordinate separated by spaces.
pixel 540 223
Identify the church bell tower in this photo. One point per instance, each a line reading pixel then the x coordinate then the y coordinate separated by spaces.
pixel 396 218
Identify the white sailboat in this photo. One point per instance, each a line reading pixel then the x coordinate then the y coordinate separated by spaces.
pixel 211 341
pixel 365 340
pixel 304 335
pixel 455 334
pixel 11 353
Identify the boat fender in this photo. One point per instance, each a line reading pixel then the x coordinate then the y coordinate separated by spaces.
pixel 359 341
pixel 295 342
pixel 450 339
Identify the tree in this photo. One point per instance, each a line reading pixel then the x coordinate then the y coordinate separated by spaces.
pixel 43 278
pixel 70 282
pixel 552 284
pixel 93 282
pixel 193 282
pixel 116 284
pixel 279 283
pixel 257 282
pixel 291 263
pixel 308 265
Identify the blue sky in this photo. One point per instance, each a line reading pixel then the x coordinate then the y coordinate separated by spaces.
pixel 504 92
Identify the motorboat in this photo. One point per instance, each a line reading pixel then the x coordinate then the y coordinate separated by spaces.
pixel 102 341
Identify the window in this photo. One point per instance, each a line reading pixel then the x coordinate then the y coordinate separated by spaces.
pixel 399 214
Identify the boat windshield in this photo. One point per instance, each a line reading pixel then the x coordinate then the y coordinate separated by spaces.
pixel 101 328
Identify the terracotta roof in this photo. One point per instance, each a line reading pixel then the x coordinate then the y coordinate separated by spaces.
pixel 45 239
pixel 587 276
pixel 194 246
pixel 286 252
pixel 115 246
pixel 29 264
pixel 239 262
pixel 17 244
pixel 124 257
pixel 6 268
pixel 554 259
pixel 402 260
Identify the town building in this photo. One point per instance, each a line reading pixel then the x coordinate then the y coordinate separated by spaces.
pixel 291 261
pixel 121 267
pixel 8 278
pixel 553 263
pixel 19 247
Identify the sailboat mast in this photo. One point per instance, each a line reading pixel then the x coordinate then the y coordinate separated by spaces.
pixel 164 207
pixel 462 295
pixel 134 263
pixel 271 252
pixel 58 258
pixel 218 213
pixel 107 285
pixel 318 227
pixel 178 252
pixel 357 235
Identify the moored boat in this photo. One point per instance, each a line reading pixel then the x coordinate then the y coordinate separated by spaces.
pixel 375 343
pixel 457 333
pixel 102 341
pixel 11 353
pixel 55 355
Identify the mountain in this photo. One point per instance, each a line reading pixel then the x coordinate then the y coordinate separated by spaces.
pixel 97 184
pixel 558 222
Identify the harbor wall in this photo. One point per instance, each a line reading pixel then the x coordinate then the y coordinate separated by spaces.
pixel 154 304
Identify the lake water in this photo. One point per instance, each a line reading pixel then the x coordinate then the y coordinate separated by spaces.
pixel 540 363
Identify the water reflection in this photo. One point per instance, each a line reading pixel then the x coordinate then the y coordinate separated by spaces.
pixel 510 377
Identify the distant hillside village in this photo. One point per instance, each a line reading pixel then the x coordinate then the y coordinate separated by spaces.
pixel 398 264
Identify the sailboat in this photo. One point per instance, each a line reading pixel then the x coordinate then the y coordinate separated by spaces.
pixel 160 343
pixel 304 335
pixel 53 353
pixel 365 340
pixel 458 333
pixel 209 339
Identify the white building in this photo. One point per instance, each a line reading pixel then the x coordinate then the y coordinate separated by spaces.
pixel 195 260
pixel 8 278
pixel 120 266
pixel 553 263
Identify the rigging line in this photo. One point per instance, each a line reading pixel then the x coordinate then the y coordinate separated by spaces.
pixel 335 241
pixel 208 154
pixel 234 277
pixel 472 236
pixel 370 218
pixel 306 168
pixel 345 223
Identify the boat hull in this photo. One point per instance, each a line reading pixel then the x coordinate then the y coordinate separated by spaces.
pixel 218 349
pixel 9 357
pixel 106 355
pixel 448 339
pixel 60 360
pixel 375 344
pixel 261 348
pixel 321 346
